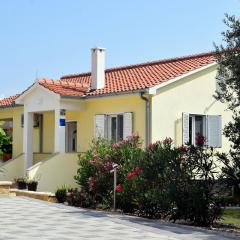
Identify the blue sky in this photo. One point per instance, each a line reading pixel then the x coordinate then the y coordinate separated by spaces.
pixel 49 38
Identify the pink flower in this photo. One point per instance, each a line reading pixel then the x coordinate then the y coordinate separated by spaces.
pixel 93 162
pixel 153 146
pixel 91 183
pixel 130 175
pixel 200 140
pixel 94 152
pixel 182 149
pixel 167 141
pixel 132 136
pixel 118 144
pixel 137 170
pixel 108 165
pixel 115 145
pixel 119 188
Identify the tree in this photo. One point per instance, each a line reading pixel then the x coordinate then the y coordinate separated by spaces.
pixel 228 58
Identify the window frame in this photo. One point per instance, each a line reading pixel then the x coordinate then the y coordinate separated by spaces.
pixel 192 119
pixel 212 129
pixel 109 126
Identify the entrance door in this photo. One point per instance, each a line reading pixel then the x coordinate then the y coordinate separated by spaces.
pixel 71 136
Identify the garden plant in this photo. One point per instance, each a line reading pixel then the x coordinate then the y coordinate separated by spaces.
pixel 228 58
pixel 161 181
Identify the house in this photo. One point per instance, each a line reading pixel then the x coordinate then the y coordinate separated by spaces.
pixel 53 121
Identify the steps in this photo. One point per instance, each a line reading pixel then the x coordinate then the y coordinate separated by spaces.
pixel 44 196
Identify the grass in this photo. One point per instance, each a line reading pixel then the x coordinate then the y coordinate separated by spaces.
pixel 231 216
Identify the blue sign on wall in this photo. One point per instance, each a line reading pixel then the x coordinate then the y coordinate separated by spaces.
pixel 62 122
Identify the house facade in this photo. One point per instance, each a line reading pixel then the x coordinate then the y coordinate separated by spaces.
pixel 54 120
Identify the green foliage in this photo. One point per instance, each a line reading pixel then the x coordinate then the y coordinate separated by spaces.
pixel 229 75
pixel 79 198
pixel 231 216
pixel 61 193
pixel 196 198
pixel 21 182
pixel 157 182
pixel 5 143
pixel 94 174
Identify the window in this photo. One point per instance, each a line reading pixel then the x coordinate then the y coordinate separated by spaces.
pixel 197 127
pixel 22 120
pixel 114 127
pixel 37 118
pixel 208 126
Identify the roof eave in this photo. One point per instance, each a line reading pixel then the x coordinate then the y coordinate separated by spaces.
pixel 106 94
pixel 11 106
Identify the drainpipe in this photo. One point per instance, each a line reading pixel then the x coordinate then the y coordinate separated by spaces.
pixel 147 115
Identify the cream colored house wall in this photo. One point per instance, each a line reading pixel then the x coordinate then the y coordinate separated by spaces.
pixel 108 105
pixel 12 169
pixel 56 171
pixel 193 94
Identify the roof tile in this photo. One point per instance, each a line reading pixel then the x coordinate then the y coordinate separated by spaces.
pixel 123 79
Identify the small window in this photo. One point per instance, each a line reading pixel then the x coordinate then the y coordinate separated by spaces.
pixel 208 126
pixel 199 122
pixel 197 127
pixel 22 120
pixel 115 127
pixel 120 127
pixel 36 120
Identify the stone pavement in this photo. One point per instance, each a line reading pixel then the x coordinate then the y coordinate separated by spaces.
pixel 24 218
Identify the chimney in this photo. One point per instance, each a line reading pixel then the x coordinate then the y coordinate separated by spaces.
pixel 98 68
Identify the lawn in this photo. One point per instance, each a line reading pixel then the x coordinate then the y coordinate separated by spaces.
pixel 231 216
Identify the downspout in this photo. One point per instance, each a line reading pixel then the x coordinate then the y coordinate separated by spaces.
pixel 147 117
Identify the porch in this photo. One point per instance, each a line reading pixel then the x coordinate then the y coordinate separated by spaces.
pixel 50 124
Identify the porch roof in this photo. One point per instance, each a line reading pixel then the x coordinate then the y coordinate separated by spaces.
pixel 124 79
pixel 9 101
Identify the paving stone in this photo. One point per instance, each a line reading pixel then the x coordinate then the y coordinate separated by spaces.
pixel 26 219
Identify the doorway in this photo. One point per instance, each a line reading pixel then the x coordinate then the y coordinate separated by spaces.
pixel 71 136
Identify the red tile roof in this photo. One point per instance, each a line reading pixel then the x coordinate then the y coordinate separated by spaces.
pixel 140 76
pixel 64 87
pixel 8 102
pixel 124 79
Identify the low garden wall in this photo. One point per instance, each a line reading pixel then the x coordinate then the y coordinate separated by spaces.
pixel 57 170
pixel 12 168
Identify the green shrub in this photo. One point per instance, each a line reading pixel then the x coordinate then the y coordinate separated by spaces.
pixel 79 198
pixel 161 181
pixel 5 143
pixel 61 193
pixel 94 174
pixel 196 199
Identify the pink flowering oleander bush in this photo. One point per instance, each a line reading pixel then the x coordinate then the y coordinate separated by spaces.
pixel 160 181
pixel 94 175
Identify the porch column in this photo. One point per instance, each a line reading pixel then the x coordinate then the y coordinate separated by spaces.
pixel 59 144
pixel 28 140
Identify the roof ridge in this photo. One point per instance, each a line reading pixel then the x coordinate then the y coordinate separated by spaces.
pixel 165 60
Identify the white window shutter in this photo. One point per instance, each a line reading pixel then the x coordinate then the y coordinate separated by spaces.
pixel 100 126
pixel 214 131
pixel 127 124
pixel 185 128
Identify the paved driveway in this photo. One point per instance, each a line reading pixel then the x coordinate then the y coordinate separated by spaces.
pixel 24 218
